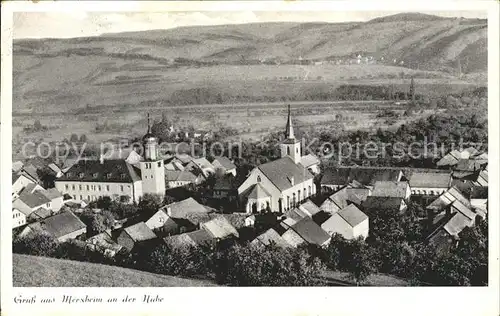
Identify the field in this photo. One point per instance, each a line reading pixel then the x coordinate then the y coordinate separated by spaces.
pixel 33 271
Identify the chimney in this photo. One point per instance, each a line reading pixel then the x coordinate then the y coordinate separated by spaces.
pixel 101 159
pixel 292 180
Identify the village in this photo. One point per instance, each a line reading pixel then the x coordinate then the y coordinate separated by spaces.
pixel 120 204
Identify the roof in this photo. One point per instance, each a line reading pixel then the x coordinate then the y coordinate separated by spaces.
pixel 108 171
pixel 309 208
pixel 184 158
pixel 54 167
pixel 225 162
pixel 448 160
pixel 309 160
pixel 447 198
pixel 140 232
pixel 364 175
pixel 468 165
pixel 200 237
pixel 51 193
pixel 104 240
pixel 281 171
pixel 61 224
pixel 296 214
pixel 33 199
pixel 460 207
pixel 293 238
pixel 382 203
pixel 220 227
pixel 352 215
pixel 182 208
pixel 456 224
pixel 430 180
pixel 310 231
pixel 182 175
pixel 257 191
pixel 390 189
pixel 269 237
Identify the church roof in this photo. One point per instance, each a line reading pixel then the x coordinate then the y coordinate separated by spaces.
pixel 108 171
pixel 258 192
pixel 309 160
pixel 281 171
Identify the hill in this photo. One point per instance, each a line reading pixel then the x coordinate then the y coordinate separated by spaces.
pixel 33 271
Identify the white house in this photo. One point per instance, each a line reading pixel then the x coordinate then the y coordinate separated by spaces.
pixel 225 165
pixel 429 183
pixel 349 222
pixel 18 218
pixel 280 184
pixel 399 189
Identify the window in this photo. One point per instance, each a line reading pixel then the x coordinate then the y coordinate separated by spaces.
pixel 74 197
pixel 259 179
pixel 80 186
pixel 107 187
pixel 309 190
pixel 159 163
pixel 81 197
pixel 88 197
pixel 305 193
pixel 73 187
pixel 121 187
pixel 81 175
pixel 122 176
pixel 288 150
pixel 95 175
pixel 297 150
pixel 99 187
pixel 88 189
pixel 67 187
pixel 108 175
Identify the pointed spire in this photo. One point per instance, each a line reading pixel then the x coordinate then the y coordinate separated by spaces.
pixel 289 128
pixel 149 126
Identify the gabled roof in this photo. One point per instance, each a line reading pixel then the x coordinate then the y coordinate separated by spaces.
pixel 309 208
pixel 182 208
pixel 108 171
pixel 352 215
pixel 257 192
pixel 51 193
pixel 140 232
pixel 430 180
pixel 296 214
pixel 468 165
pixel 220 227
pixel 225 162
pixel 456 224
pixel 270 236
pixel 382 203
pixel 447 198
pixel 184 158
pixel 183 175
pixel 280 172
pixel 460 207
pixel 309 160
pixel 34 199
pixel 390 189
pixel 310 231
pixel 61 224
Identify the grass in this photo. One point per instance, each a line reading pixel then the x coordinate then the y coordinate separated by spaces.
pixel 33 271
pixel 336 277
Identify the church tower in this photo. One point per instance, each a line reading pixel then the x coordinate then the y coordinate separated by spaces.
pixel 152 168
pixel 290 146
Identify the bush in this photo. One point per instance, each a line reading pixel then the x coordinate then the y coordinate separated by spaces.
pixel 36 244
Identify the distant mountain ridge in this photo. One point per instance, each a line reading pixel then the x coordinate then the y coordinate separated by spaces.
pixel 422 41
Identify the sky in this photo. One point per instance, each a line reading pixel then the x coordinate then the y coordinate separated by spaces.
pixel 79 23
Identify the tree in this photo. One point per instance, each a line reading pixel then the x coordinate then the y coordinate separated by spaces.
pixel 358 260
pixel 73 138
pixel 150 203
pixel 97 222
pixel 83 138
pixel 37 125
pixel 37 244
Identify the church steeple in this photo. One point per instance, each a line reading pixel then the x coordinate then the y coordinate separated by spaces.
pixel 289 127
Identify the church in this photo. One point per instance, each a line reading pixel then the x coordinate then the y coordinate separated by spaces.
pixel 281 184
pixel 89 180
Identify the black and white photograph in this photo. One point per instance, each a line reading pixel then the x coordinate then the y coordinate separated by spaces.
pixel 249 149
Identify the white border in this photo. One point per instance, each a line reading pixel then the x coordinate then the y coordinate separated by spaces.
pixel 272 301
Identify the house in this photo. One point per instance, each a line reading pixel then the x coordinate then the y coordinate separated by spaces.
pixel 479 200
pixel 225 165
pixel 55 197
pixel 482 179
pixel 309 208
pixel 335 178
pixel 18 218
pixel 268 238
pixel 180 178
pixel 195 238
pixel 164 225
pixel 344 197
pixel 133 235
pixel 350 222
pixel 183 208
pixel 201 166
pixel 27 203
pixel 89 180
pixel 446 199
pixel 311 163
pixel 429 183
pixel 62 226
pixel 103 243
pixel 308 231
pixel 382 203
pixel 220 228
pixel 19 182
pixel 282 183
pixel 398 189
pixel 225 187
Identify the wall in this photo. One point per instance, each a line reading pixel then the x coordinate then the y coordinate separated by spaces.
pixel 362 229
pixel 93 193
pixel 125 240
pixel 18 218
pixel 153 177
pixel 336 224
pixel 427 191
pixel 57 203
